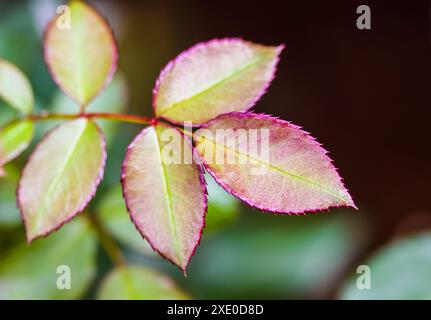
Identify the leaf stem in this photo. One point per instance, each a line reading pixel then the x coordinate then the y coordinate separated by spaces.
pixel 99 115
pixel 107 242
pixel 185 132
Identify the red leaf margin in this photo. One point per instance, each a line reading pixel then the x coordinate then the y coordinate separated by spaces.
pixel 183 55
pixel 202 183
pixel 247 201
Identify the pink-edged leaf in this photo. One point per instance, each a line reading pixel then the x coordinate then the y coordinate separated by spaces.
pixel 165 192
pixel 212 78
pixel 61 176
pixel 81 55
pixel 270 164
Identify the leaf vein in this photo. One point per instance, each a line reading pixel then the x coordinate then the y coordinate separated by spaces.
pixel 212 87
pixel 168 194
pixel 271 166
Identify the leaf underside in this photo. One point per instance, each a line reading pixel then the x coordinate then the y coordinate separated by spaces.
pixel 61 176
pixel 295 175
pixel 165 196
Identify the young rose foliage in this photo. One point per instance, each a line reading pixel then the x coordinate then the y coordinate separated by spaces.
pixel 65 169
pixel 207 82
pixel 279 169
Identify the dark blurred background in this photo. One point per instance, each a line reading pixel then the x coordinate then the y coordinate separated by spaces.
pixel 364 94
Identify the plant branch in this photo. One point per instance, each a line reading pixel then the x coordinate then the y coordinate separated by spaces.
pixel 108 116
pixel 186 132
pixel 107 242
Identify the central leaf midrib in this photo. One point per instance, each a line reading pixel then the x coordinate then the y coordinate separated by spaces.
pixel 212 87
pixel 78 43
pixel 168 198
pixel 293 175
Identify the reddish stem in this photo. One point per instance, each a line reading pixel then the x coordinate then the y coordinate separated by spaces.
pixel 101 115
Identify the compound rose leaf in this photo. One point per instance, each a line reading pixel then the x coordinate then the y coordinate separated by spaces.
pixel 270 164
pixel 81 54
pixel 165 193
pixel 61 176
pixel 215 77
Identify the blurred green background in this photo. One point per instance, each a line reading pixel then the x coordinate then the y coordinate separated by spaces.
pixel 348 88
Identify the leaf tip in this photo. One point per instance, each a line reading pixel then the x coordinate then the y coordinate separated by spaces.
pixel 280 48
pixel 351 204
pixel 33 235
pixel 185 272
pixel 29 239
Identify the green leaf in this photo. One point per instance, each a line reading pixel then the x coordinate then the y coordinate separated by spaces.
pixel 402 271
pixel 139 283
pixel 82 57
pixel 9 213
pixel 165 193
pixel 223 208
pixel 61 176
pixel 274 257
pixel 14 139
pixel 7 115
pixel 213 78
pixel 32 272
pixel 15 89
pixel 114 216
